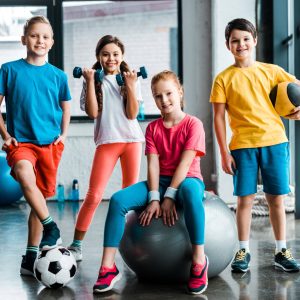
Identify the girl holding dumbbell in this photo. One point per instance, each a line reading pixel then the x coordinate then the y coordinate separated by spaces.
pixel 117 133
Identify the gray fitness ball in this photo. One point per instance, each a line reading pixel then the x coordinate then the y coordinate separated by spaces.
pixel 161 253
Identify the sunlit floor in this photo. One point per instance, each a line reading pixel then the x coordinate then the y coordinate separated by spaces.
pixel 262 282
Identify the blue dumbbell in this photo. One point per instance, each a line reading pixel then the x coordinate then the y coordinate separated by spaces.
pixel 142 72
pixel 99 74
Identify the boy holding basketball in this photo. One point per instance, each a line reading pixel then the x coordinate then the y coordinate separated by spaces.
pixel 258 139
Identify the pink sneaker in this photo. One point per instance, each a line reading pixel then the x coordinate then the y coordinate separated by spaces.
pixel 106 279
pixel 198 278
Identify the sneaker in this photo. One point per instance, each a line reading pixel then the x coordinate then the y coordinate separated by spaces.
pixel 241 261
pixel 77 252
pixel 106 279
pixel 198 278
pixel 27 265
pixel 285 261
pixel 51 237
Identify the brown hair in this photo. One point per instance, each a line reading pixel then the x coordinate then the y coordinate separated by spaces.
pixel 167 75
pixel 240 24
pixel 36 19
pixel 108 39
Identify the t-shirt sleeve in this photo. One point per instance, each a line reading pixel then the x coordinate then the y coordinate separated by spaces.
pixel 218 94
pixel 65 94
pixel 82 96
pixel 283 76
pixel 3 80
pixel 150 147
pixel 195 139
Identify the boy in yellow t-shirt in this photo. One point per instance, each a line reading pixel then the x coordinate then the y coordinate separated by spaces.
pixel 258 139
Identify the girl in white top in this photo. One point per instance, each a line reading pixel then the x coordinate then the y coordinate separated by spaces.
pixel 117 133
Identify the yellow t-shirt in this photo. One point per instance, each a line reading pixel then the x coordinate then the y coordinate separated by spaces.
pixel 252 117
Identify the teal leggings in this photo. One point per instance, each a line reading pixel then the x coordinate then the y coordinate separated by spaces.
pixel 189 197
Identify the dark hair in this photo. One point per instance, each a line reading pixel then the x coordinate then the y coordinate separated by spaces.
pixel 105 40
pixel 167 75
pixel 240 24
pixel 34 20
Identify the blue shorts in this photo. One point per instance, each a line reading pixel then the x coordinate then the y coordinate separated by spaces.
pixel 274 164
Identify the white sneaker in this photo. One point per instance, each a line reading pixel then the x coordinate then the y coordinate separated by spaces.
pixel 77 252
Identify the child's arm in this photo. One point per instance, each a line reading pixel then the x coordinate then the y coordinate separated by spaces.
pixel 132 105
pixel 168 208
pixel 91 104
pixel 153 208
pixel 4 134
pixel 228 162
pixel 65 121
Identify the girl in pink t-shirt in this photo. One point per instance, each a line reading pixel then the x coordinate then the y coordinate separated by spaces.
pixel 174 144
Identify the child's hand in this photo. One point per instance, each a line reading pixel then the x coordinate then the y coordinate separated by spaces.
pixel 228 164
pixel 153 209
pixel 169 212
pixel 295 115
pixel 130 78
pixel 8 142
pixel 88 74
pixel 61 138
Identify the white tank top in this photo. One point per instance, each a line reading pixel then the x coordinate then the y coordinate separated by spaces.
pixel 112 125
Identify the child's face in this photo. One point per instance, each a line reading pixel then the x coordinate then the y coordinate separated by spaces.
pixel 241 44
pixel 110 58
pixel 38 40
pixel 167 96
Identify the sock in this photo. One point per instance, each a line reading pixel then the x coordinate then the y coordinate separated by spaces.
pixel 32 251
pixel 48 222
pixel 279 245
pixel 244 245
pixel 76 243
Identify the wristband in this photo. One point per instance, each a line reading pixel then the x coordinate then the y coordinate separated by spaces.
pixel 153 196
pixel 170 193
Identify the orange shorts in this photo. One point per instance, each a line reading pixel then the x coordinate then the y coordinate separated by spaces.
pixel 44 159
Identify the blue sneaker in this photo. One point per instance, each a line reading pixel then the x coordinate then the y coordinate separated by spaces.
pixel 27 265
pixel 284 260
pixel 51 237
pixel 241 261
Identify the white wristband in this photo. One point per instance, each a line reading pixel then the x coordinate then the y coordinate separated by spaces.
pixel 170 193
pixel 153 196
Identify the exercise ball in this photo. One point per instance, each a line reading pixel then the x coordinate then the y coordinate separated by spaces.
pixel 10 190
pixel 285 96
pixel 162 253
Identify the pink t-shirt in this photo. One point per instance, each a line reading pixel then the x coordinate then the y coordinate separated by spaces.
pixel 169 143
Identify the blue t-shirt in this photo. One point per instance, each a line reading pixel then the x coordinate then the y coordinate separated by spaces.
pixel 32 95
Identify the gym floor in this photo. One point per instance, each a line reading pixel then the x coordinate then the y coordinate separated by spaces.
pixel 262 282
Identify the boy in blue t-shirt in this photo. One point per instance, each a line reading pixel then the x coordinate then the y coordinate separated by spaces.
pixel 38 115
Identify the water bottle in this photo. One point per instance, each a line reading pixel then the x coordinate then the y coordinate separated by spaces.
pixel 75 190
pixel 141 114
pixel 60 193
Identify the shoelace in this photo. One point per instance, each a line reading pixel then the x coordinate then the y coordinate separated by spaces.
pixel 240 255
pixel 287 254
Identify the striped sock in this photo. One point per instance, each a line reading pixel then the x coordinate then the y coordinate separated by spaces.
pixel 76 243
pixel 32 250
pixel 47 221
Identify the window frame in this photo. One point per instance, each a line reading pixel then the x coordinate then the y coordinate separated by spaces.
pixel 55 16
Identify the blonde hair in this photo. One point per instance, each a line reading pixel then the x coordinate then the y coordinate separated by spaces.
pixel 36 19
pixel 167 75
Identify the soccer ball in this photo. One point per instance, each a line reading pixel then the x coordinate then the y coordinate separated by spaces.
pixel 55 267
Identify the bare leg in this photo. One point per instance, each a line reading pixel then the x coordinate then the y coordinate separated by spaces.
pixel 34 230
pixel 198 254
pixel 108 258
pixel 79 235
pixel 244 217
pixel 277 215
pixel 26 177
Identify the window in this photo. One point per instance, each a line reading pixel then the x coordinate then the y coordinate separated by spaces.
pixel 148 30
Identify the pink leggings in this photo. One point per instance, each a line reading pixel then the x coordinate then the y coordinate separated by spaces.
pixel 105 159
